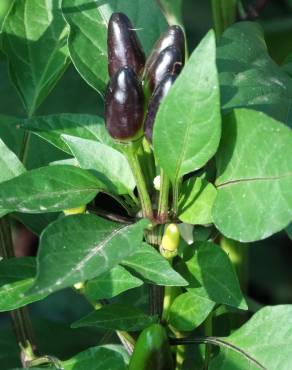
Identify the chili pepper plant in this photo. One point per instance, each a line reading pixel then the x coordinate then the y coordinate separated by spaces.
pixel 138 169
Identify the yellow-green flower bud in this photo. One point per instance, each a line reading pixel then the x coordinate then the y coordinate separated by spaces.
pixel 74 211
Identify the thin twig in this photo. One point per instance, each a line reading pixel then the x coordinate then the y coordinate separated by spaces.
pixel 216 342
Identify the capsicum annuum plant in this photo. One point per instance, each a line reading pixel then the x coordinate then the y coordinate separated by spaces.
pixel 145 197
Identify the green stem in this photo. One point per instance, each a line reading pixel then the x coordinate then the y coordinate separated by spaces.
pixel 224 15
pixel 148 163
pixel 140 182
pixel 21 322
pixel 175 196
pixel 163 198
pixel 208 332
pixel 24 147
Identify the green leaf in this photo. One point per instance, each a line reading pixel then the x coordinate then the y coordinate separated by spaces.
pixel 96 358
pixel 173 11
pixel 116 317
pixel 36 223
pixel 49 189
pixel 81 247
pixel 254 179
pixel 5 8
pixel 10 165
pixel 196 201
pixel 104 160
pixel 190 309
pixel 266 337
pixel 88 33
pixel 34 40
pixel 248 75
pixel 148 263
pixel 16 277
pixel 9 133
pixel 110 284
pixel 289 231
pixel 187 127
pixel 85 126
pixel 211 268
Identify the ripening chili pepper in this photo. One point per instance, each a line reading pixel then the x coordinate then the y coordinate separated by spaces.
pixel 174 36
pixel 152 350
pixel 124 106
pixel 154 103
pixel 168 61
pixel 124 48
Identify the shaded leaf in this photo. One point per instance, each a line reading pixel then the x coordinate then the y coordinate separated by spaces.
pixel 88 33
pixel 190 309
pixel 49 189
pixel 96 358
pixel 16 277
pixel 248 75
pixel 196 201
pixel 267 337
pixel 148 263
pixel 254 179
pixel 211 268
pixel 103 159
pixel 110 284
pixel 81 247
pixel 117 317
pixel 187 127
pixel 51 127
pixel 34 40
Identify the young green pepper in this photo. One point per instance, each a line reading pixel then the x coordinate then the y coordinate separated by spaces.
pixel 170 60
pixel 152 350
pixel 157 97
pixel 174 36
pixel 124 48
pixel 124 106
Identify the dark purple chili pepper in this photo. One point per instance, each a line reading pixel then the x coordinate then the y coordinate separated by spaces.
pixel 157 97
pixel 168 61
pixel 174 36
pixel 124 105
pixel 124 48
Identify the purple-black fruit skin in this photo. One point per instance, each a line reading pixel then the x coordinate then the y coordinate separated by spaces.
pixel 157 97
pixel 174 36
pixel 124 106
pixel 124 48
pixel 168 61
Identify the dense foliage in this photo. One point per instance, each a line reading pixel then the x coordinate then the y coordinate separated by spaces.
pixel 140 172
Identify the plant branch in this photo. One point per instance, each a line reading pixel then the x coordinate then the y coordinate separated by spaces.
pixel 140 182
pixel 216 342
pixel 21 322
pixel 162 214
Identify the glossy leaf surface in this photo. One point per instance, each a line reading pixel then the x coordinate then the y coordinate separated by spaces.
pixel 254 179
pixel 109 163
pixel 77 248
pixel 187 128
pixel 148 263
pixel 117 317
pixel 266 337
pixel 49 189
pixel 34 40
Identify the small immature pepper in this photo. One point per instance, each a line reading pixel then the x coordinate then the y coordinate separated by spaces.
pixel 152 350
pixel 124 106
pixel 174 36
pixel 170 60
pixel 124 48
pixel 157 97
pixel 170 241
